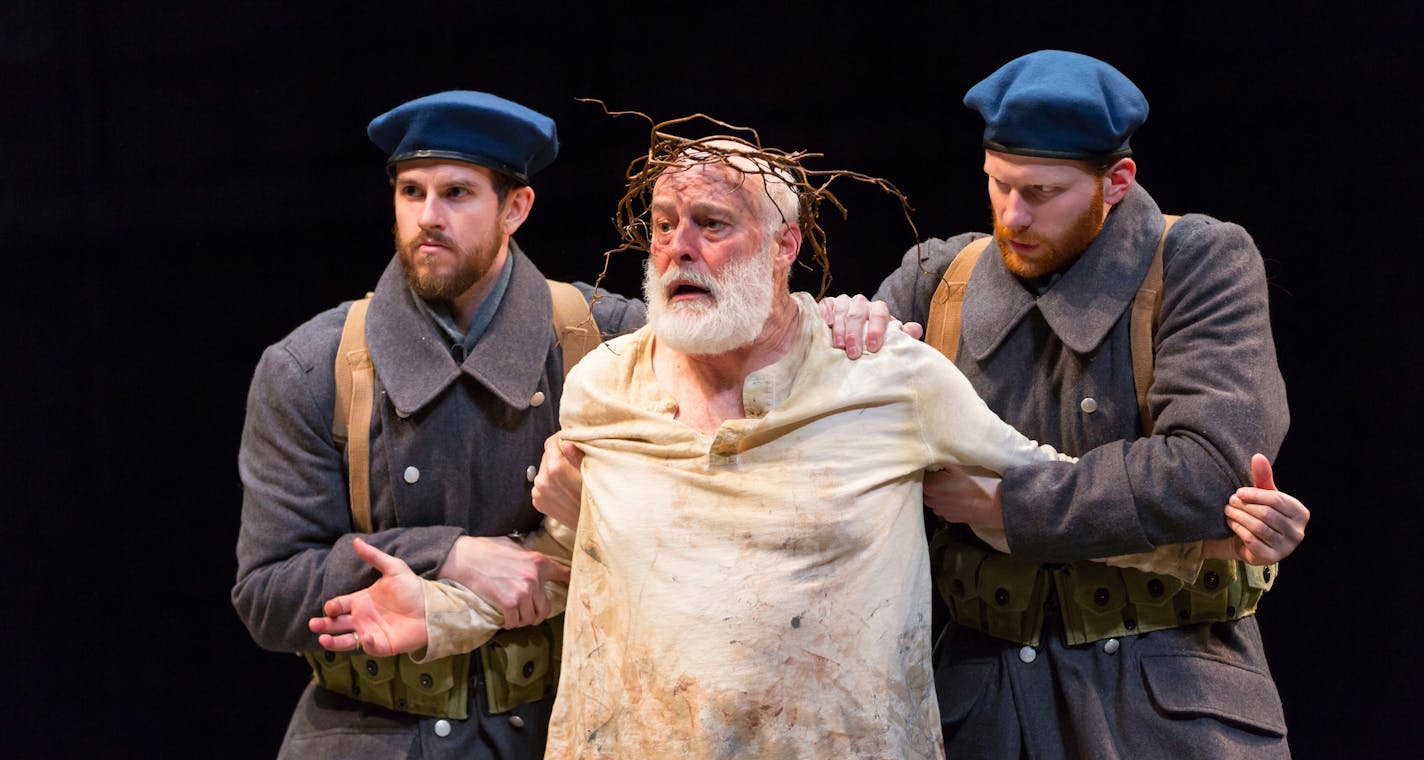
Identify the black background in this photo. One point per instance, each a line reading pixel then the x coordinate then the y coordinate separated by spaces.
pixel 185 183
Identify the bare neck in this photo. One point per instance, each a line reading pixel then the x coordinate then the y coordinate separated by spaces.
pixel 708 387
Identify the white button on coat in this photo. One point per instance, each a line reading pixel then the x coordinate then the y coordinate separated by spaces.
pixel 1088 405
pixel 442 727
pixel 537 399
pixel 530 473
pixel 1111 646
pixel 516 721
pixel 412 474
pixel 1028 654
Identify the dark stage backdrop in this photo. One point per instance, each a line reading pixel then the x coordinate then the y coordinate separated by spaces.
pixel 186 182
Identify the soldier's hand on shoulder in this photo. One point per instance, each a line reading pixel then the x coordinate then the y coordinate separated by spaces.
pixel 857 322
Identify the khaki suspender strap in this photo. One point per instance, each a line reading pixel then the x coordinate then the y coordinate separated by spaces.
pixel 573 322
pixel 945 322
pixel 356 381
pixel 351 430
pixel 355 395
pixel 1146 315
pixel 943 329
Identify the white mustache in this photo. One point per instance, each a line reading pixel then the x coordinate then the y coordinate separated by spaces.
pixel 675 274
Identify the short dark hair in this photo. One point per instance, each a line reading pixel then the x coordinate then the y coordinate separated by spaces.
pixel 503 184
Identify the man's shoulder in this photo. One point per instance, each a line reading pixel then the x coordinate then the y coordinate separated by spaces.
pixel 615 314
pixel 1197 240
pixel 1194 226
pixel 952 246
pixel 601 387
pixel 907 356
pixel 935 254
pixel 908 289
pixel 901 361
pixel 299 368
pixel 608 360
pixel 313 343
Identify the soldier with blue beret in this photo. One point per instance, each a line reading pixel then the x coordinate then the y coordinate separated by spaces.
pixel 462 373
pixel 1051 655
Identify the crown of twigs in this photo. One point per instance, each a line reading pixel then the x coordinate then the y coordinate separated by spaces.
pixel 742 150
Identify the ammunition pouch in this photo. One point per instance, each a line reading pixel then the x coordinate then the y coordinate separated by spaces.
pixel 1004 597
pixel 517 667
pixel 989 591
pixel 522 665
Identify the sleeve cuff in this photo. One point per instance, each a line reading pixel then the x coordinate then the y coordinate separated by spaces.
pixel 1181 561
pixel 456 620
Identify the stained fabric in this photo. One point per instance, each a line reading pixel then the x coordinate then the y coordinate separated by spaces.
pixel 762 592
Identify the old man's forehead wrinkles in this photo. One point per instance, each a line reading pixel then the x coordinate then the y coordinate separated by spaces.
pixel 723 202
pixel 704 174
pixel 703 185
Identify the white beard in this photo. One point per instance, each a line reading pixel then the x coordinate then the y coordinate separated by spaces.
pixel 739 307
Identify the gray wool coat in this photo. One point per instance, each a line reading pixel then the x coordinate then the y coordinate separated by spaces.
pixel 450 448
pixel 1217 396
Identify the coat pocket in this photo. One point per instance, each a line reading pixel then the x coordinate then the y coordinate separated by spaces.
pixel 1185 686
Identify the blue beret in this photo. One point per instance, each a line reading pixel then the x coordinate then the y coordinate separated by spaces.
pixel 1053 104
pixel 474 127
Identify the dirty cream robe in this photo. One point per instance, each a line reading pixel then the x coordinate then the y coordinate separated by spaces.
pixel 764 592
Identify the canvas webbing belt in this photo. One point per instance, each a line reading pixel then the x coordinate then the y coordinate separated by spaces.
pixel 1005 597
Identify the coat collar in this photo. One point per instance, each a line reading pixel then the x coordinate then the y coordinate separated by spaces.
pixel 412 358
pixel 1086 301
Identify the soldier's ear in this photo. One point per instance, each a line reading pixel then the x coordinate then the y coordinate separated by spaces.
pixel 1118 180
pixel 516 208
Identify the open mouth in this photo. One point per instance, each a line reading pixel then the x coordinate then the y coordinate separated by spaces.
pixel 686 290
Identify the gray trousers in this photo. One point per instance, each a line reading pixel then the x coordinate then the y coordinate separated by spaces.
pixel 1201 691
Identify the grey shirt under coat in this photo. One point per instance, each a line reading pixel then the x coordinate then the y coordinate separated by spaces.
pixel 1217 393
pixel 450 447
